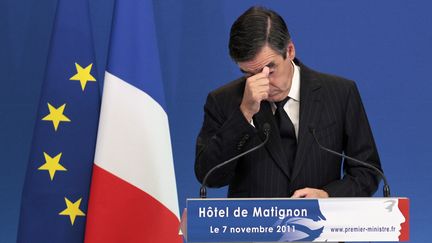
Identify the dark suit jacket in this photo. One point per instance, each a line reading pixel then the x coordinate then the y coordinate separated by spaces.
pixel 330 104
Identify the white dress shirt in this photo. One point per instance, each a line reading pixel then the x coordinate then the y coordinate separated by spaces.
pixel 292 107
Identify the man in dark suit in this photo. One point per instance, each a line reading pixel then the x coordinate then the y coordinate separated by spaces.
pixel 279 90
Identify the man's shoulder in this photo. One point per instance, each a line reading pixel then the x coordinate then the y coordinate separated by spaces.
pixel 230 89
pixel 325 80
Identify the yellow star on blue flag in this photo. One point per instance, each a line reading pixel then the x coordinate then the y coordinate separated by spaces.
pixel 56 115
pixel 83 75
pixel 52 164
pixel 72 210
pixel 64 139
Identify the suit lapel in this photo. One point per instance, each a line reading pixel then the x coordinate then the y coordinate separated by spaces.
pixel 274 145
pixel 310 107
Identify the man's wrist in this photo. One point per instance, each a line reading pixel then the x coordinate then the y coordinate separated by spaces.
pixel 246 114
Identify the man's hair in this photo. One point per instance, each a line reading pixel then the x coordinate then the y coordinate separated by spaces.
pixel 254 29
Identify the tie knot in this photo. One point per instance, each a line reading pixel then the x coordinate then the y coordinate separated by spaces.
pixel 281 104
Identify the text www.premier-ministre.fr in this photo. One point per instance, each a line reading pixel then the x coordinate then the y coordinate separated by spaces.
pixel 373 229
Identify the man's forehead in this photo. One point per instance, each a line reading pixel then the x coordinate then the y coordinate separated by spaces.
pixel 263 58
pixel 255 68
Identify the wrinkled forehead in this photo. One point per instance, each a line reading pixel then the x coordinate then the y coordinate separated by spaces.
pixel 265 57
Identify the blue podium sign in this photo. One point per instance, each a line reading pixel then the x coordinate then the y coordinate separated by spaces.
pixel 287 220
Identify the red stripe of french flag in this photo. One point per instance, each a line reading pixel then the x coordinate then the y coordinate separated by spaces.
pixel 133 196
pixel 120 212
pixel 403 205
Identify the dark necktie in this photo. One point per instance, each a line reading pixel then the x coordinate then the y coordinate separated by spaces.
pixel 287 132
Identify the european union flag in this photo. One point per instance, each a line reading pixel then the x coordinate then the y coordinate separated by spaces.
pixel 54 200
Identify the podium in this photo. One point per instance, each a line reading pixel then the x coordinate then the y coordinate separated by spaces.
pixel 291 220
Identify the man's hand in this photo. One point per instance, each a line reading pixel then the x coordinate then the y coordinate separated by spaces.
pixel 310 193
pixel 256 89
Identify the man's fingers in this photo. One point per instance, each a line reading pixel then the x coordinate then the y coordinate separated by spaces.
pixel 258 76
pixel 264 95
pixel 310 193
pixel 258 83
pixel 300 193
pixel 257 89
pixel 260 96
pixel 266 71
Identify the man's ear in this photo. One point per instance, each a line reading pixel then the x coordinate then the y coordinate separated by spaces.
pixel 291 51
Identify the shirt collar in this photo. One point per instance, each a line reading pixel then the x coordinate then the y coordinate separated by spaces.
pixel 294 92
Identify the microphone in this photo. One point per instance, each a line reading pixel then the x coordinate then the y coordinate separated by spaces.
pixel 203 189
pixel 386 188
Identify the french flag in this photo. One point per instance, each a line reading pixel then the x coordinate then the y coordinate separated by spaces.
pixel 133 195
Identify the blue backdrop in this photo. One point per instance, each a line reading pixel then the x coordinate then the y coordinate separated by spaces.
pixel 383 45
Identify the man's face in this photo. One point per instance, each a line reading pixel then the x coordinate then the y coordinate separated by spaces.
pixel 281 70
